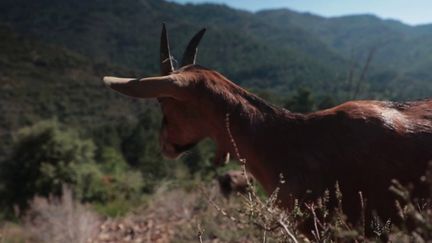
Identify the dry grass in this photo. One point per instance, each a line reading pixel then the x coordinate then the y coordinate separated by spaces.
pixel 177 215
pixel 61 220
pixel 158 222
pixel 265 222
pixel 15 233
pixel 202 214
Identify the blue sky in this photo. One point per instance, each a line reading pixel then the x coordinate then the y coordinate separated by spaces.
pixel 408 11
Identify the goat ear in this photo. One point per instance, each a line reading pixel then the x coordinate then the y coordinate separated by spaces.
pixel 191 50
pixel 153 87
pixel 166 66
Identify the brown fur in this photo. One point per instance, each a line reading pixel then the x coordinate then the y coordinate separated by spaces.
pixel 360 144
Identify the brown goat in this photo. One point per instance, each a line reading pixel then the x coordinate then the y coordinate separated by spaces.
pixel 361 144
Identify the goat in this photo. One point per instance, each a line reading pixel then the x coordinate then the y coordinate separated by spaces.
pixel 362 145
pixel 234 181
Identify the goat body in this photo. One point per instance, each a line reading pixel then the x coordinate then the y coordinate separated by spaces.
pixel 362 145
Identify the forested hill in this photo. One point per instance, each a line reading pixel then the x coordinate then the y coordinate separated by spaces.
pixel 276 50
pixel 127 33
pixel 402 54
pixel 40 81
pixel 398 44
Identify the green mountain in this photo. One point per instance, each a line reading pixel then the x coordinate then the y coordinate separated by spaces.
pixel 402 54
pixel 40 81
pixel 127 33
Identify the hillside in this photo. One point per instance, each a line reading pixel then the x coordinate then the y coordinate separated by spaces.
pixel 276 50
pixel 402 54
pixel 127 33
pixel 40 81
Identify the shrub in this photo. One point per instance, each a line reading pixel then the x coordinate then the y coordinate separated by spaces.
pixel 264 221
pixel 46 155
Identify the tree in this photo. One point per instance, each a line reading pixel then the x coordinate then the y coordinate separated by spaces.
pixel 302 101
pixel 141 150
pixel 44 157
pixel 326 102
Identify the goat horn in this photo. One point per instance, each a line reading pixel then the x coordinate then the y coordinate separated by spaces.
pixel 190 54
pixel 153 87
pixel 166 66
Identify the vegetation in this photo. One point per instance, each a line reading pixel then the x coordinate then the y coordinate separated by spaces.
pixel 204 216
pixel 45 157
pixel 402 52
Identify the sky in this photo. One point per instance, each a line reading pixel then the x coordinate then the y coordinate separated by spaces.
pixel 408 11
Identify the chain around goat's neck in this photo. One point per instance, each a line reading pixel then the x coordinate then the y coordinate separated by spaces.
pixel 234 144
